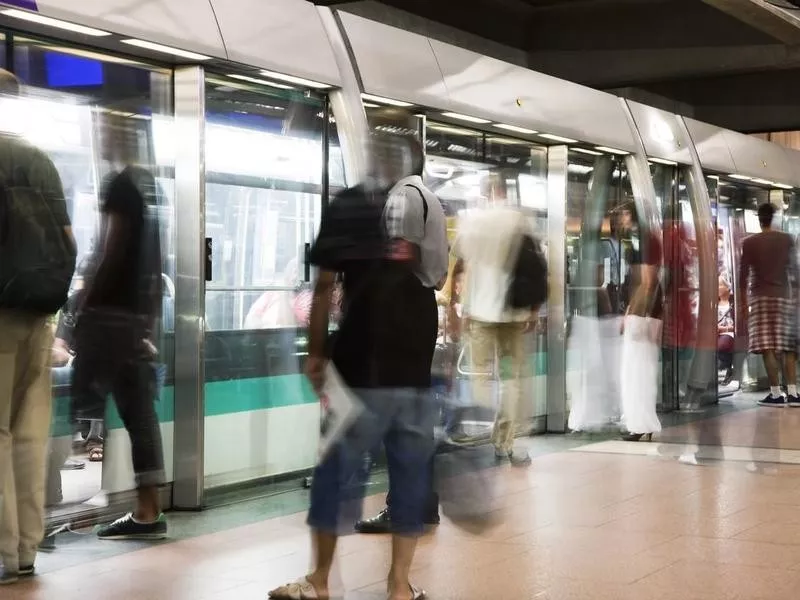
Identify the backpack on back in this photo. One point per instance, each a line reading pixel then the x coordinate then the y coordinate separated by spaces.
pixel 37 258
pixel 528 287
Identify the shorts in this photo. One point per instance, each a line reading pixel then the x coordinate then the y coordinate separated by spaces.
pixel 403 419
pixel 772 325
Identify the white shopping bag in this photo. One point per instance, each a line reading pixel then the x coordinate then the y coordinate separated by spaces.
pixel 593 362
pixel 639 374
pixel 340 408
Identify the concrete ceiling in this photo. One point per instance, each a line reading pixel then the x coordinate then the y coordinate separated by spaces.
pixel 735 63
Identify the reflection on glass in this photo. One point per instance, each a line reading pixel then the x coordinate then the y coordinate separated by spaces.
pixel 70 95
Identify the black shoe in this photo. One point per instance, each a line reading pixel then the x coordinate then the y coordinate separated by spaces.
pixel 778 402
pixel 432 519
pixel 380 523
pixel 793 401
pixel 127 528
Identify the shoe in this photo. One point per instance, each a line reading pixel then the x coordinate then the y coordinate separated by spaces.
pixel 127 528
pixel 8 577
pixel 778 402
pixel 380 523
pixel 73 465
pixel 793 401
pixel 519 459
pixel 27 571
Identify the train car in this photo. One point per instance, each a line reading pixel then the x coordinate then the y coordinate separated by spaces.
pixel 253 114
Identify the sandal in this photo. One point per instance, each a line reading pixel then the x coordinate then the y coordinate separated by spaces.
pixel 417 593
pixel 95 452
pixel 302 589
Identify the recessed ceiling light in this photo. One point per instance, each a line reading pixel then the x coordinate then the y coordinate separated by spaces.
pixel 762 181
pixel 446 129
pixel 468 118
pixel 280 86
pixel 610 150
pixel 739 177
pixel 370 105
pixel 515 128
pixel 558 138
pixel 382 100
pixel 298 80
pixel 783 186
pixel 165 49
pixel 663 161
pixel 50 22
pixel 587 151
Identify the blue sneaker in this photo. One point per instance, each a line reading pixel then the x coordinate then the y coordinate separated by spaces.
pixel 778 402
pixel 127 528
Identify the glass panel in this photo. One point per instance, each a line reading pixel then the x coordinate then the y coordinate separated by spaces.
pixel 468 172
pixel 264 164
pixel 604 237
pixel 92 114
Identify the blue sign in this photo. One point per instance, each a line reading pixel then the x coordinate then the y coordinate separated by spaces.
pixel 27 4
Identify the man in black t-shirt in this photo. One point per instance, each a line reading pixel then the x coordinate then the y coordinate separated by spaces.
pixel 114 337
pixel 383 351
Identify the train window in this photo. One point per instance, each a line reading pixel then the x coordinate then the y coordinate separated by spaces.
pixel 264 164
pixel 91 113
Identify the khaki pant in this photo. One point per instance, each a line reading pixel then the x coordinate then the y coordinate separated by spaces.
pixel 491 346
pixel 25 411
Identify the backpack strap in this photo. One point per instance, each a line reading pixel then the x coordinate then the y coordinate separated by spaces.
pixel 424 203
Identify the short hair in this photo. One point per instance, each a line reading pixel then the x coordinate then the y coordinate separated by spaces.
pixel 766 212
pixel 9 84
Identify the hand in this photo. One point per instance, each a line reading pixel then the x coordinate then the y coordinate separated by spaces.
pixel 315 371
pixel 150 348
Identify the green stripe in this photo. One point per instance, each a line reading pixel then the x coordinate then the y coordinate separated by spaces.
pixel 234 396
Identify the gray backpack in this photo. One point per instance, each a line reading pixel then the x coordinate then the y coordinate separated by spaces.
pixel 37 258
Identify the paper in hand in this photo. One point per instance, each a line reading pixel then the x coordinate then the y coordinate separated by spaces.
pixel 340 408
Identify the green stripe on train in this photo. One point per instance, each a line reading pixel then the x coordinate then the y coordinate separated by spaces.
pixel 234 396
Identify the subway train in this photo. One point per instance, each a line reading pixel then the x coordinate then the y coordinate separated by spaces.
pixel 253 114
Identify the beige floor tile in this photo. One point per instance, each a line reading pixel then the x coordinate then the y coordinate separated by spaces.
pixel 726 551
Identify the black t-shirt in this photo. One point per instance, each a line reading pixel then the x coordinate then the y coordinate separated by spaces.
pixel 387 332
pixel 133 284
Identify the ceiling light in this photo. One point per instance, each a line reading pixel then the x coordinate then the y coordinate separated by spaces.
pixel 370 105
pixel 50 22
pixel 762 181
pixel 93 55
pixel 515 128
pixel 558 138
pixel 783 186
pixel 298 80
pixel 454 130
pixel 739 177
pixel 586 151
pixel 165 49
pixel 610 150
pixel 663 161
pixel 382 100
pixel 467 118
pixel 280 86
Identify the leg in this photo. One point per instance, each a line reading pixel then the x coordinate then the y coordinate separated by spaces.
pixel 31 429
pixel 9 526
pixel 790 368
pixel 511 349
pixel 482 348
pixel 133 393
pixel 409 451
pixel 772 367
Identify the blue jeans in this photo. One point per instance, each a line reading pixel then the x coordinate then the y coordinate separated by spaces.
pixel 403 419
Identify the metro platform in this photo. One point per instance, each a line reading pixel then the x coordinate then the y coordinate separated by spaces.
pixel 588 520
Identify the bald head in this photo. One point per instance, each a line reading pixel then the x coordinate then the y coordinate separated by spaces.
pixel 9 84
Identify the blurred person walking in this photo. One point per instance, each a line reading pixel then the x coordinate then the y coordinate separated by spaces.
pixel 490 246
pixel 769 264
pixel 37 260
pixel 117 328
pixel 375 237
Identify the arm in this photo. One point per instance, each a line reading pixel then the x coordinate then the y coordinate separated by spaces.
pixel 741 292
pixel 318 328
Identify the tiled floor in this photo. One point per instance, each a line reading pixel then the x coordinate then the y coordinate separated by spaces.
pixel 600 521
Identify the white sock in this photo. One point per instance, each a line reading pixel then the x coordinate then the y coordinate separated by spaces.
pixel 775 391
pixel 792 390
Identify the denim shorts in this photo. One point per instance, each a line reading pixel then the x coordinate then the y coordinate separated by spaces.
pixel 403 420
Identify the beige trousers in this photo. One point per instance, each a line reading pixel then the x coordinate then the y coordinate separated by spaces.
pixel 492 345
pixel 25 411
